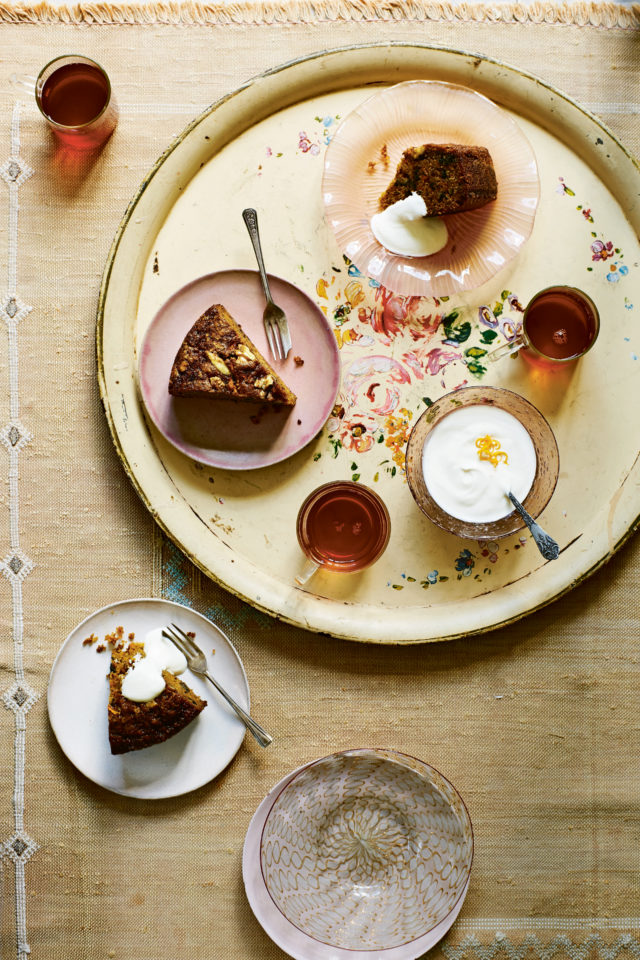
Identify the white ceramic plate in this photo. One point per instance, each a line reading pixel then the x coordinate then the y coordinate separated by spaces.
pixel 78 694
pixel 288 937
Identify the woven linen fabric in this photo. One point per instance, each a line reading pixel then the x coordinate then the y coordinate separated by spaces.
pixel 536 724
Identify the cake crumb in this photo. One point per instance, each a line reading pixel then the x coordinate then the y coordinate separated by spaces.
pixel 299 362
pixel 101 648
pixel 115 639
pixel 89 641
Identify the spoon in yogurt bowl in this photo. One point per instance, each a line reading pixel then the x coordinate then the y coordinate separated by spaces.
pixel 545 543
pixel 489 449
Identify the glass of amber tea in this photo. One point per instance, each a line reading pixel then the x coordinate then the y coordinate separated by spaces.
pixel 342 526
pixel 560 324
pixel 74 95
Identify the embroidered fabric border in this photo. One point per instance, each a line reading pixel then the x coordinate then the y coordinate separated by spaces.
pixel 15 566
pixel 560 947
pixel 609 15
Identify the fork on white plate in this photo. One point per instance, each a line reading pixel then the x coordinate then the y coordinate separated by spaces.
pixel 197 663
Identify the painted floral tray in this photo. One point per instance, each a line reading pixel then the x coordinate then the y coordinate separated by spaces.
pixel 398 354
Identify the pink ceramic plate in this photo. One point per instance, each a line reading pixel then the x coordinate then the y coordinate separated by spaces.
pixel 361 161
pixel 229 434
pixel 284 933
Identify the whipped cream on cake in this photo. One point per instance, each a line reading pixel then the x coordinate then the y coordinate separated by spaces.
pixel 144 681
pixel 405 229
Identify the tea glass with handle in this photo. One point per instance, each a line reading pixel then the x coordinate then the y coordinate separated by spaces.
pixel 560 324
pixel 342 526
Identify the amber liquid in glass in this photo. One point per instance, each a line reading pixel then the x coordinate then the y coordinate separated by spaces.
pixel 560 325
pixel 343 526
pixel 75 94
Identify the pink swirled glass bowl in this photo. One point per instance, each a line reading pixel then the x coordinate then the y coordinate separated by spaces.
pixel 367 850
pixel 361 161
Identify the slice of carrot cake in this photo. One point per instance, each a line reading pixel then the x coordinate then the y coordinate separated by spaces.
pixel 217 359
pixel 450 178
pixel 133 724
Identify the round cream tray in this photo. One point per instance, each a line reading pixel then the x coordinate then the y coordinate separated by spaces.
pixel 263 146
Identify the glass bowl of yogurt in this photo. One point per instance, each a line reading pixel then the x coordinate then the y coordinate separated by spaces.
pixel 472 447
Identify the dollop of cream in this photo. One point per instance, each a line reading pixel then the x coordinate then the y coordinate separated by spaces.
pixel 465 486
pixel 144 680
pixel 405 229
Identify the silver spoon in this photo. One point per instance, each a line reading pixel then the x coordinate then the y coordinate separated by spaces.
pixel 545 544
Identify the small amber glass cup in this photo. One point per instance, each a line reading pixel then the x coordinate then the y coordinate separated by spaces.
pixel 74 95
pixel 560 324
pixel 342 526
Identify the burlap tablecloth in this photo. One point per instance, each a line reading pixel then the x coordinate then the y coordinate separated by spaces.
pixel 537 724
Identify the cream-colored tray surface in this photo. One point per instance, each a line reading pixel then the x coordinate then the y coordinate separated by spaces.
pixel 263 146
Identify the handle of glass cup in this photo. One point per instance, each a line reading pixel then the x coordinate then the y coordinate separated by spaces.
pixel 506 349
pixel 24 85
pixel 307 572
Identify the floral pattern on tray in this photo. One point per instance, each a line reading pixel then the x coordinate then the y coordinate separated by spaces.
pixel 395 352
pixel 602 249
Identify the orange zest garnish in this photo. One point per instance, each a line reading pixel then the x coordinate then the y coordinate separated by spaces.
pixel 489 449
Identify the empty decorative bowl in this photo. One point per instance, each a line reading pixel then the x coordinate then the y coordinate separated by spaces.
pixel 544 472
pixel 367 850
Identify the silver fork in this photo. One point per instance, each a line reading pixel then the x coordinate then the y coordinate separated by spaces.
pixel 274 318
pixel 198 664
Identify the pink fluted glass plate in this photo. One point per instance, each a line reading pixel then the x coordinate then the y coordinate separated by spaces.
pixel 361 161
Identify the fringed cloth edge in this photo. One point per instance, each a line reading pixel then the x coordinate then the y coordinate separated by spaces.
pixel 608 15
